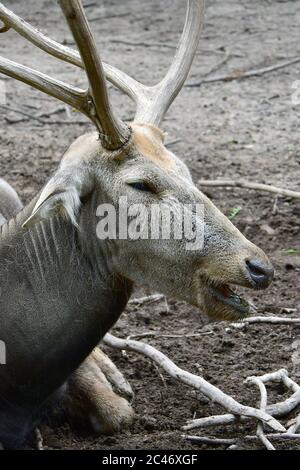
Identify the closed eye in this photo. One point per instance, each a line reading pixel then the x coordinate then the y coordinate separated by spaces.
pixel 142 186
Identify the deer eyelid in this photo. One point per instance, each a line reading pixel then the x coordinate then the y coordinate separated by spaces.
pixel 144 186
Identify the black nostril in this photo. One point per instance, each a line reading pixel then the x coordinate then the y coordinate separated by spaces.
pixel 262 274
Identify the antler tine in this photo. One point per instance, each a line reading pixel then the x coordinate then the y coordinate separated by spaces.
pixel 73 96
pixel 120 79
pixel 160 97
pixel 114 133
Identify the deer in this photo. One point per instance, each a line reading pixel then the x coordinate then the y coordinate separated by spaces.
pixel 62 287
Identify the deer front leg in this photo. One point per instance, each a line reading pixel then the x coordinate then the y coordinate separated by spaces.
pixel 90 395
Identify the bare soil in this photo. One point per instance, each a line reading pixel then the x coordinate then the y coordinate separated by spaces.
pixel 239 129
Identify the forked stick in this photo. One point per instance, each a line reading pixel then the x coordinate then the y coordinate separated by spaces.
pixel 192 380
pixel 263 405
pixel 249 185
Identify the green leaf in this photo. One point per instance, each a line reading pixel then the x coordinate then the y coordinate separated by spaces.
pixel 233 212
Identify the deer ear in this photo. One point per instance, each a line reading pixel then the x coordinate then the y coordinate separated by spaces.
pixel 61 195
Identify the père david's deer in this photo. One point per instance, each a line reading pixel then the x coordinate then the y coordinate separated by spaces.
pixel 62 287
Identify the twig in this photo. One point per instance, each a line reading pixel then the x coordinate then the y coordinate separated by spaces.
pixel 148 298
pixel 192 380
pixel 209 440
pixel 106 17
pixel 165 45
pixel 242 75
pixel 36 118
pixel 23 113
pixel 148 334
pixel 263 405
pixel 143 44
pixel 59 109
pixel 173 142
pixel 215 420
pixel 218 65
pixel 163 380
pixel 295 426
pixel 263 319
pixel 250 185
pixel 288 405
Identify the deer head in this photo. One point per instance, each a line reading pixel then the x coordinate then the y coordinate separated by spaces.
pixel 130 160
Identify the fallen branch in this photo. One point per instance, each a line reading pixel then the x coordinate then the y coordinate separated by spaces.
pixel 250 185
pixel 197 382
pixel 215 441
pixel 242 75
pixel 143 44
pixel 218 65
pixel 148 334
pixel 108 17
pixel 148 298
pixel 215 420
pixel 295 426
pixel 233 441
pixel 28 116
pixel 261 319
pixel 277 409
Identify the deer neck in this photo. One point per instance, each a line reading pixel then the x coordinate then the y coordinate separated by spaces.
pixel 56 303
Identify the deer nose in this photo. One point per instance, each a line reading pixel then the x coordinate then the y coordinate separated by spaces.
pixel 262 274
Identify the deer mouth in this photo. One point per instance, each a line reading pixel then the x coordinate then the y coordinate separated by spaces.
pixel 229 297
pixel 223 302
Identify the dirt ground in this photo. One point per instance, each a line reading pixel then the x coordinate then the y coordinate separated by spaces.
pixel 239 129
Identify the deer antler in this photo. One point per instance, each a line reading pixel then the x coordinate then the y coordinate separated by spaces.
pixel 152 102
pixel 115 132
pixel 93 103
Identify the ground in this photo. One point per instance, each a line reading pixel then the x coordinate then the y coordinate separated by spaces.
pixel 240 129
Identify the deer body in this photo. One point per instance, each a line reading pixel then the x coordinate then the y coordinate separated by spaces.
pixel 63 286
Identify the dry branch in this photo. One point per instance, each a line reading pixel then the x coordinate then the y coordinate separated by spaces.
pixel 148 298
pixel 192 380
pixel 271 319
pixel 215 441
pixel 28 116
pixel 239 75
pixel 148 334
pixel 233 441
pixel 249 185
pixel 277 409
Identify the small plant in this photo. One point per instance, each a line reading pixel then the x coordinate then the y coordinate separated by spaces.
pixel 233 212
pixel 291 251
